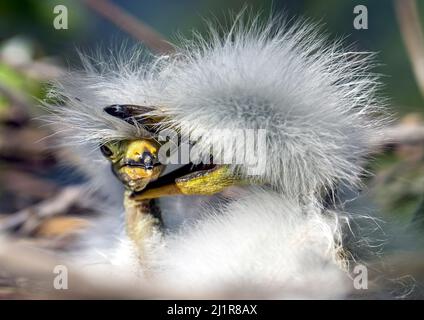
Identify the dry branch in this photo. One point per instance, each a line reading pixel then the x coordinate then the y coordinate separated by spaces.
pixel 59 204
pixel 131 25
pixel 400 134
pixel 20 182
pixel 42 70
pixel 412 35
pixel 25 144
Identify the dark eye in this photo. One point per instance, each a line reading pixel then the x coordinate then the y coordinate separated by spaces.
pixel 105 150
pixel 148 160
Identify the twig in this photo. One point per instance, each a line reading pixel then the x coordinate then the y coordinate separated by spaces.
pixel 65 199
pixel 18 181
pixel 410 26
pixel 26 144
pixel 39 69
pixel 400 134
pixel 131 25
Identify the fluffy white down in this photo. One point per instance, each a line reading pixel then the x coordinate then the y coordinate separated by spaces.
pixel 316 101
pixel 259 242
pixel 259 246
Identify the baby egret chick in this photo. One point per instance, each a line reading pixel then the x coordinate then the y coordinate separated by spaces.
pixel 307 106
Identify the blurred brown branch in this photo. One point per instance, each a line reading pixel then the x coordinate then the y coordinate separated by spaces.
pixel 26 144
pixel 26 184
pixel 400 134
pixel 412 34
pixel 56 205
pixel 40 70
pixel 131 25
